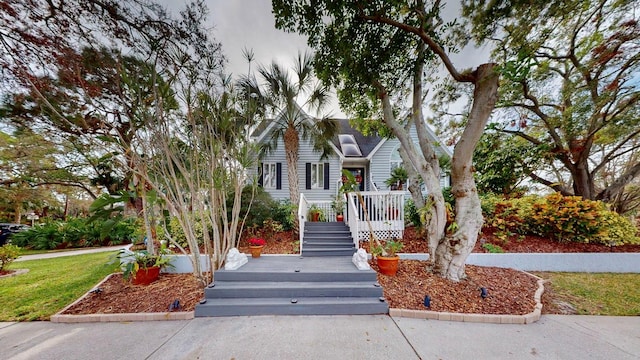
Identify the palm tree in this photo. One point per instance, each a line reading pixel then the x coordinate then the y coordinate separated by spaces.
pixel 278 94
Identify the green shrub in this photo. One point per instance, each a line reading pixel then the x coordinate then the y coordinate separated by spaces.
pixel 262 207
pixel 488 204
pixel 8 253
pixel 411 213
pixel 76 232
pixel 562 218
pixel 177 233
pixel 284 213
pixel 566 218
pixel 448 196
pixel 493 248
pixel 616 230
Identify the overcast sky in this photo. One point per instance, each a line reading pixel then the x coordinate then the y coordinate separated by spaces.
pixel 240 24
pixel 250 24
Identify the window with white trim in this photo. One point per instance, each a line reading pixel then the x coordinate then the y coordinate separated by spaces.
pixel 269 175
pixel 317 176
pixel 395 160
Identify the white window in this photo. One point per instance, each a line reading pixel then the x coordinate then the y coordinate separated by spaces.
pixel 269 175
pixel 317 176
pixel 395 160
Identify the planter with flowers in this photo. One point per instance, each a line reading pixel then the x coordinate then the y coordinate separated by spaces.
pixel 255 246
pixel 141 267
pixel 386 256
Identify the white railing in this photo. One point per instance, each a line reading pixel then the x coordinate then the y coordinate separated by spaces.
pixel 385 211
pixel 353 221
pixel 372 185
pixel 303 208
pixel 325 207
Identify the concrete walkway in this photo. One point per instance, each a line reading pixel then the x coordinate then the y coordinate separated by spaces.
pixel 325 337
pixel 71 253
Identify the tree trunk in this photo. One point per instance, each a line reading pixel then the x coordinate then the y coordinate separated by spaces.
pixel 413 180
pixel 455 247
pixel 18 213
pixel 291 147
pixel 582 182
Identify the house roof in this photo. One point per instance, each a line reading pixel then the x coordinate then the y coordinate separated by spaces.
pixel 366 143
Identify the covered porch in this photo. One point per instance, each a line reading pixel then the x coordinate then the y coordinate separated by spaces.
pixel 367 212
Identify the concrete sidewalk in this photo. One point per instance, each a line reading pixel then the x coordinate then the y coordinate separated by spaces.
pixel 56 254
pixel 325 337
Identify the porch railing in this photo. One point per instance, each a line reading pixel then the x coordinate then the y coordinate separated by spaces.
pixel 385 210
pixel 303 208
pixel 353 220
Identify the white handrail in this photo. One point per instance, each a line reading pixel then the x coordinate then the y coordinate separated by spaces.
pixel 303 206
pixel 385 210
pixel 372 185
pixel 353 219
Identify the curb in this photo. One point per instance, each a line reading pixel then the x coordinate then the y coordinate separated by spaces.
pixel 61 317
pixel 15 273
pixel 478 318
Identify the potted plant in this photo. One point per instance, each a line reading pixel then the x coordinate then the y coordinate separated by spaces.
pixel 255 246
pixel 337 204
pixel 397 179
pixel 141 267
pixel 316 213
pixel 386 255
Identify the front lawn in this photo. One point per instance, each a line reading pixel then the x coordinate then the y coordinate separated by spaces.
pixel 595 294
pixel 50 285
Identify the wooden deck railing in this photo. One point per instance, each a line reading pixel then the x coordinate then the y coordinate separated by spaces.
pixel 384 210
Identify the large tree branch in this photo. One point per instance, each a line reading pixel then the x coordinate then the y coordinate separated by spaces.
pixel 428 40
pixel 70 184
pixel 619 184
pixel 557 140
pixel 613 153
pixel 554 185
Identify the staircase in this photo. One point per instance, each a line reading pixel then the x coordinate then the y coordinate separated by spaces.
pixel 294 285
pixel 327 239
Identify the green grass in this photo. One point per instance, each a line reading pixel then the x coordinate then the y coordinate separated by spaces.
pixel 24 251
pixel 598 294
pixel 50 285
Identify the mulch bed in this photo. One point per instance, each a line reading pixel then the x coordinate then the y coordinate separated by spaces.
pixel 119 296
pixel 509 291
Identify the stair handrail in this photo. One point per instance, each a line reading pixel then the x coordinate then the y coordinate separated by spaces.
pixel 372 185
pixel 353 220
pixel 303 208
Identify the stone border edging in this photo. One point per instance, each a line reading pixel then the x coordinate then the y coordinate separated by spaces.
pixel 16 272
pixel 481 318
pixel 60 317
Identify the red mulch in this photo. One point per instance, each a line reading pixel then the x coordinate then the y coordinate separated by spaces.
pixel 119 296
pixel 6 272
pixel 509 291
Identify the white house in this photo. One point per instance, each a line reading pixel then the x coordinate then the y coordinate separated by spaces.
pixel 371 157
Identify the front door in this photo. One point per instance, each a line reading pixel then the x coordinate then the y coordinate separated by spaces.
pixel 359 174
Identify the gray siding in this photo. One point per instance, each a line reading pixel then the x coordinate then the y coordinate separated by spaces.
pixel 307 155
pixel 380 165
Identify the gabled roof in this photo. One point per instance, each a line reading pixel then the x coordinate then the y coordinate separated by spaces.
pixel 365 143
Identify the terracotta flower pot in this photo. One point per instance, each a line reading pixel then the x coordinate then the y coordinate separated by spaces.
pixel 340 217
pixel 388 265
pixel 146 276
pixel 255 251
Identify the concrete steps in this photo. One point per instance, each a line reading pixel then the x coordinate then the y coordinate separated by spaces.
pixel 327 239
pixel 292 285
pixel 287 306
